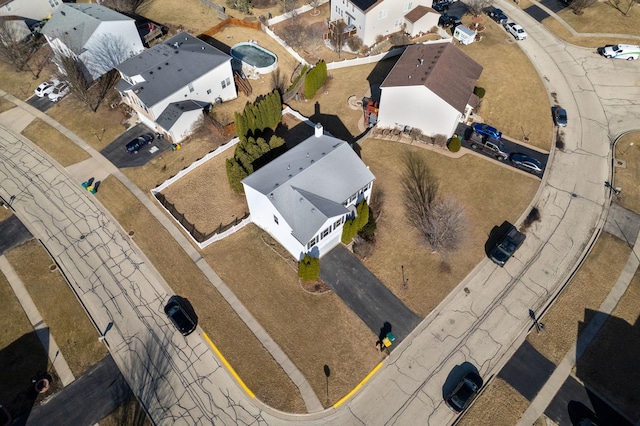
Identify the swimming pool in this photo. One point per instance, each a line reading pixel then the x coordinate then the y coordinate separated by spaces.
pixel 255 57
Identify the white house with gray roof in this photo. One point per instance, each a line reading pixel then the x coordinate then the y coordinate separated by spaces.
pixel 303 197
pixel 170 84
pixel 99 37
pixel 32 10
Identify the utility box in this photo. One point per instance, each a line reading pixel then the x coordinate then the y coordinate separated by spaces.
pixel 464 35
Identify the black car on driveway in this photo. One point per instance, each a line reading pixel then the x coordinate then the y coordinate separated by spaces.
pixel 441 6
pixel 180 316
pixel 135 145
pixel 449 21
pixel 464 393
pixel 498 16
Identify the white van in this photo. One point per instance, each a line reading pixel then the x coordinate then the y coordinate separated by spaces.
pixel 620 51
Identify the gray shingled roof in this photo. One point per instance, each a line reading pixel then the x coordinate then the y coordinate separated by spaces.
pixel 174 110
pixel 441 67
pixel 309 183
pixel 170 66
pixel 74 24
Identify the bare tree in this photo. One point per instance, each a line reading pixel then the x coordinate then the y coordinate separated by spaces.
pixel 288 7
pixel 420 188
pixel 337 35
pixel 13 49
pixel 578 6
pixel 631 3
pixel 106 52
pixel 124 5
pixel 278 80
pixel 443 227
pixel 294 33
pixel 315 4
pixel 40 60
pixel 476 7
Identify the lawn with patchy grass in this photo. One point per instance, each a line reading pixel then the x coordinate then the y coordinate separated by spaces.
pixel 472 181
pixel 54 143
pixel 5 213
pixel 499 404
pixel 313 329
pixel 192 16
pixel 19 84
pixel 587 290
pixel 627 175
pixel 58 306
pixel 5 105
pixel 609 364
pixel 237 343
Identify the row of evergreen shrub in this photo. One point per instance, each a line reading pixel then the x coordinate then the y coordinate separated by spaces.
pixel 315 79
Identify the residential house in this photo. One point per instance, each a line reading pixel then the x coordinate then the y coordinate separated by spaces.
pixel 99 37
pixel 30 10
pixel 430 88
pixel 421 20
pixel 171 83
pixel 376 18
pixel 303 197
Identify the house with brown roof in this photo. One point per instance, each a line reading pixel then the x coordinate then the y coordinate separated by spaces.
pixel 380 18
pixel 430 88
pixel 420 20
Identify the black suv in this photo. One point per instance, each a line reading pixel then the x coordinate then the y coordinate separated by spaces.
pixel 466 390
pixel 506 246
pixel 180 316
pixel 441 6
pixel 498 16
pixel 449 21
pixel 134 146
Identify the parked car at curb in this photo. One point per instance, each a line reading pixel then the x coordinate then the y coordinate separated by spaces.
pixel 620 51
pixel 506 246
pixel 45 88
pixel 59 91
pixel 486 130
pixel 179 316
pixel 516 30
pixel 526 163
pixel 134 146
pixel 464 393
pixel 560 117
pixel 498 16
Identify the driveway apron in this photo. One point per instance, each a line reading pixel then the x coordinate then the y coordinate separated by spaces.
pixel 378 307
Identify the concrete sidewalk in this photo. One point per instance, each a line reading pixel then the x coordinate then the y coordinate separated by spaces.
pixel 40 327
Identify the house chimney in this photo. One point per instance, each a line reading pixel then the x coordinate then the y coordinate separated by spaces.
pixel 318 131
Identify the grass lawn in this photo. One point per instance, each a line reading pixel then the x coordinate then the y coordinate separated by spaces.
pixel 607 365
pixel 19 84
pixel 530 115
pixel 54 143
pixel 627 177
pixel 313 329
pixel 21 355
pixel 587 290
pixel 5 105
pixel 58 307
pixel 470 180
pixel 188 15
pixel 238 344
pixel 498 405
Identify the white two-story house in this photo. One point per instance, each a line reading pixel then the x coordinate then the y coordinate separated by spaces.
pixel 303 197
pixel 170 84
pixel 99 37
pixel 33 10
pixel 373 18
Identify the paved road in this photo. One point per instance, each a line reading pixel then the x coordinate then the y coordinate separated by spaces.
pixel 179 380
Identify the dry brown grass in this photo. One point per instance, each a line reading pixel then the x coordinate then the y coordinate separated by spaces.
pixel 530 115
pixel 19 84
pixel 5 213
pixel 627 177
pixel 498 405
pixel 238 344
pixel 54 143
pixel 75 334
pixel 470 180
pixel 5 105
pixel 190 15
pixel 205 197
pixel 312 329
pixel 608 364
pixel 588 288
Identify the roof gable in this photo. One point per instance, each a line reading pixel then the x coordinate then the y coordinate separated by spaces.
pixel 418 12
pixel 440 67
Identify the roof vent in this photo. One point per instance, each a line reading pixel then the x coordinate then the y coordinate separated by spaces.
pixel 318 132
pixel 307 155
pixel 301 199
pixel 63 13
pixel 313 210
pixel 289 167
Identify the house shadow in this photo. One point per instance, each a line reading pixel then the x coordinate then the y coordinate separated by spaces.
pixel 332 123
pixel 379 73
pixel 456 375
pixel 215 43
pixel 29 361
pixel 607 364
pixel 496 234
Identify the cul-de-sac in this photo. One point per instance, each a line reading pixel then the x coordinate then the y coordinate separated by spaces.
pixel 323 212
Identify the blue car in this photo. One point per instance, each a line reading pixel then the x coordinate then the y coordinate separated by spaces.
pixel 486 130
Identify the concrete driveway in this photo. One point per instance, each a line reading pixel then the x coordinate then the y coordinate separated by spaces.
pixel 365 295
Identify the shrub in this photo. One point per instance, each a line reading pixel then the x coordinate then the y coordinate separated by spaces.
pixel 309 268
pixel 352 226
pixel 479 92
pixel 369 229
pixel 348 231
pixel 354 43
pixel 315 79
pixel 454 144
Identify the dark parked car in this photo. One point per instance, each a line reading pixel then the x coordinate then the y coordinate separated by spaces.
pixel 179 316
pixel 441 6
pixel 486 130
pixel 134 146
pixel 449 21
pixel 498 16
pixel 506 246
pixel 526 163
pixel 560 116
pixel 464 392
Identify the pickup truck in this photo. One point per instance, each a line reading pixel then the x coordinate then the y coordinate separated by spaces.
pixel 489 145
pixel 506 246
